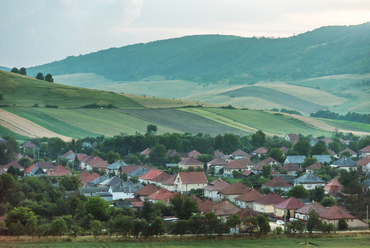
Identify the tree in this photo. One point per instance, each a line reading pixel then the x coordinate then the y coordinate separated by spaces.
pixel 319 148
pixel 329 201
pixel 14 70
pixel 258 139
pixel 112 157
pixel 183 206
pixel 157 155
pixel 70 182
pixel 157 227
pixel 196 224
pixel 263 223
pixel 40 76
pixel 139 226
pixel 298 191
pixel 276 154
pixel 98 208
pixel 22 71
pixel 121 224
pixel 21 218
pixel 237 174
pixel 147 212
pixel 25 162
pixel 317 194
pixel 313 221
pixel 335 145
pixel 49 78
pixel 266 171
pixel 180 227
pixel 234 221
pixel 151 129
pixel 231 143
pixel 211 222
pixel 342 224
pixel 96 227
pixel 58 227
pixel 302 147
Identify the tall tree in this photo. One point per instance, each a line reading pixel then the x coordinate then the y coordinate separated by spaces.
pixel 14 70
pixel 49 78
pixel 258 139
pixel 40 76
pixel 23 71
pixel 97 207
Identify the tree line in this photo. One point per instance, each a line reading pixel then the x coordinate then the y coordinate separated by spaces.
pixel 39 76
pixel 350 116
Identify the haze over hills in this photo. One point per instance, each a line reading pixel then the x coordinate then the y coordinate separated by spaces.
pixel 210 68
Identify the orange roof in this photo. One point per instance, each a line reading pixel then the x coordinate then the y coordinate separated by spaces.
pixel 206 206
pixel 86 177
pixel 147 190
pixel 161 194
pixel 193 177
pixel 29 169
pixel 58 171
pixel 236 188
pixel 151 174
pixel 249 196
pixel 145 152
pixel 190 161
pixel 260 150
pixel 235 164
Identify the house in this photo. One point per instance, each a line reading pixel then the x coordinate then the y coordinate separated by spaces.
pixel 186 181
pixel 234 190
pixel 217 164
pixel 269 161
pixel 58 171
pixel 91 162
pixel 145 191
pixel 247 173
pixel 113 181
pixel 302 212
pixel 107 196
pixel 13 164
pixel 45 166
pixel 194 153
pixel 246 199
pixel 364 163
pixel 333 187
pixel 206 206
pixel 364 152
pixel 296 160
pixel 257 169
pixel 323 159
pixel 158 180
pixel 309 181
pixel 277 183
pixel 260 151
pixel 29 144
pixel 190 162
pixel 247 212
pixel 2 171
pixel 213 188
pixel 292 137
pixel 238 154
pixel 288 208
pixel 114 168
pixel 124 190
pixel 345 163
pixel 149 176
pixel 225 209
pixel 266 204
pixel 160 195
pixel 233 165
pixel 247 162
pixel 219 154
pixel 287 178
pixel 135 170
pixel 312 167
pixel 284 149
pixel 33 171
pixel 291 169
pixel 336 213
pixel 327 141
pixel 313 141
pixel 352 154
pixel 169 184
pixel 86 177
pixel 91 192
pixel 146 152
pixel 70 155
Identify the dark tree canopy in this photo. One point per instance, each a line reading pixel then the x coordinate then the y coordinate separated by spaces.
pixel 49 78
pixel 23 71
pixel 40 76
pixel 14 70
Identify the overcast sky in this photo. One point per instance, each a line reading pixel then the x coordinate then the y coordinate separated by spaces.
pixel 34 32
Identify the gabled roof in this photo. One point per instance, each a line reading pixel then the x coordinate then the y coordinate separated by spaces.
pixel 194 153
pixel 323 158
pixel 309 207
pixel 161 194
pixel 293 137
pixel 333 186
pixel 247 212
pixel 246 173
pixel 246 161
pixel 218 154
pixel 14 164
pixel 130 169
pixel 58 171
pixel 366 149
pixel 295 159
pixel 147 190
pixel 170 181
pixel 116 165
pixel 29 144
pixel 270 199
pixel 97 162
pixel 344 162
pixel 145 152
pixel 206 206
pixel 29 169
pixel 249 196
pixel 193 177
pixel 269 160
pixel 287 178
pixel 67 154
pixel 217 161
pixel 161 178
pixel 315 166
pixel 225 208
pixel 235 164
pixel 336 213
pixel 239 152
pixel 86 177
pixel 190 161
pixel 216 185
pixel 364 161
pixel 236 188
pixel 284 149
pixel 151 174
pixel 260 150
pixel 45 165
pixel 290 167
pixel 277 182
pixel 291 203
pixel 196 199
pixel 351 152
pixel 308 178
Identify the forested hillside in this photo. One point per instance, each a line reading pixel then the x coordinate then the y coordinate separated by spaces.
pixel 217 58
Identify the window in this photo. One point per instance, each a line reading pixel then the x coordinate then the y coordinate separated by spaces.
pixel 277 211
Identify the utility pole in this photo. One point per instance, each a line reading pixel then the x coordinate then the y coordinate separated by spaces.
pixel 305 230
pixel 367 215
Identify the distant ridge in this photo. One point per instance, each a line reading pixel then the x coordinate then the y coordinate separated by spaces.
pixel 324 51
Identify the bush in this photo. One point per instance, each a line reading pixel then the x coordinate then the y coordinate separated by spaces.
pixel 278 230
pixel 342 225
pixel 51 106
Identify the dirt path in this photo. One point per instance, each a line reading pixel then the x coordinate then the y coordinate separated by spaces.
pixel 324 126
pixel 25 127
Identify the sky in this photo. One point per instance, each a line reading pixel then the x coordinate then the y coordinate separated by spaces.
pixel 35 32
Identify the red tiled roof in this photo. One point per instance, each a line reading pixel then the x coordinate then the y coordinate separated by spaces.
pixel 194 153
pixel 293 137
pixel 161 194
pixel 45 165
pixel 145 152
pixel 249 196
pixel 246 161
pixel 190 161
pixel 217 161
pixel 315 166
pixel 277 182
pixel 86 177
pixel 306 209
pixel 260 150
pixel 216 185
pixel 290 167
pixel 235 164
pixel 67 154
pixel 29 168
pixel 151 174
pixel 364 161
pixel 131 168
pixel 284 149
pixel 335 213
pixel 97 162
pixel 138 204
pixel 333 186
pixel 257 167
pixel 246 173
pixel 58 171
pixel 225 208
pixel 170 181
pixel 147 190
pixel 239 152
pixel 206 206
pixel 236 188
pixel 348 150
pixel 161 177
pixel 247 212
pixel 193 177
pixel 269 160
pixel 365 149
pixel 196 199
pixel 14 164
pixel 218 153
pixel 29 144
pixel 270 199
pixel 291 203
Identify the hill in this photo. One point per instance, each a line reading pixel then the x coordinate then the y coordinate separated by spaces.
pixel 215 58
pixel 131 114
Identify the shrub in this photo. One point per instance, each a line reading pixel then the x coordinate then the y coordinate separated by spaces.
pixel 51 106
pixel 342 225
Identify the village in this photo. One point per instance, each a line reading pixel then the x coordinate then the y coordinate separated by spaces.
pixel 287 193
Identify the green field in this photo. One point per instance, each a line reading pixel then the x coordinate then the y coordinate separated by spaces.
pixel 225 241
pixel 348 125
